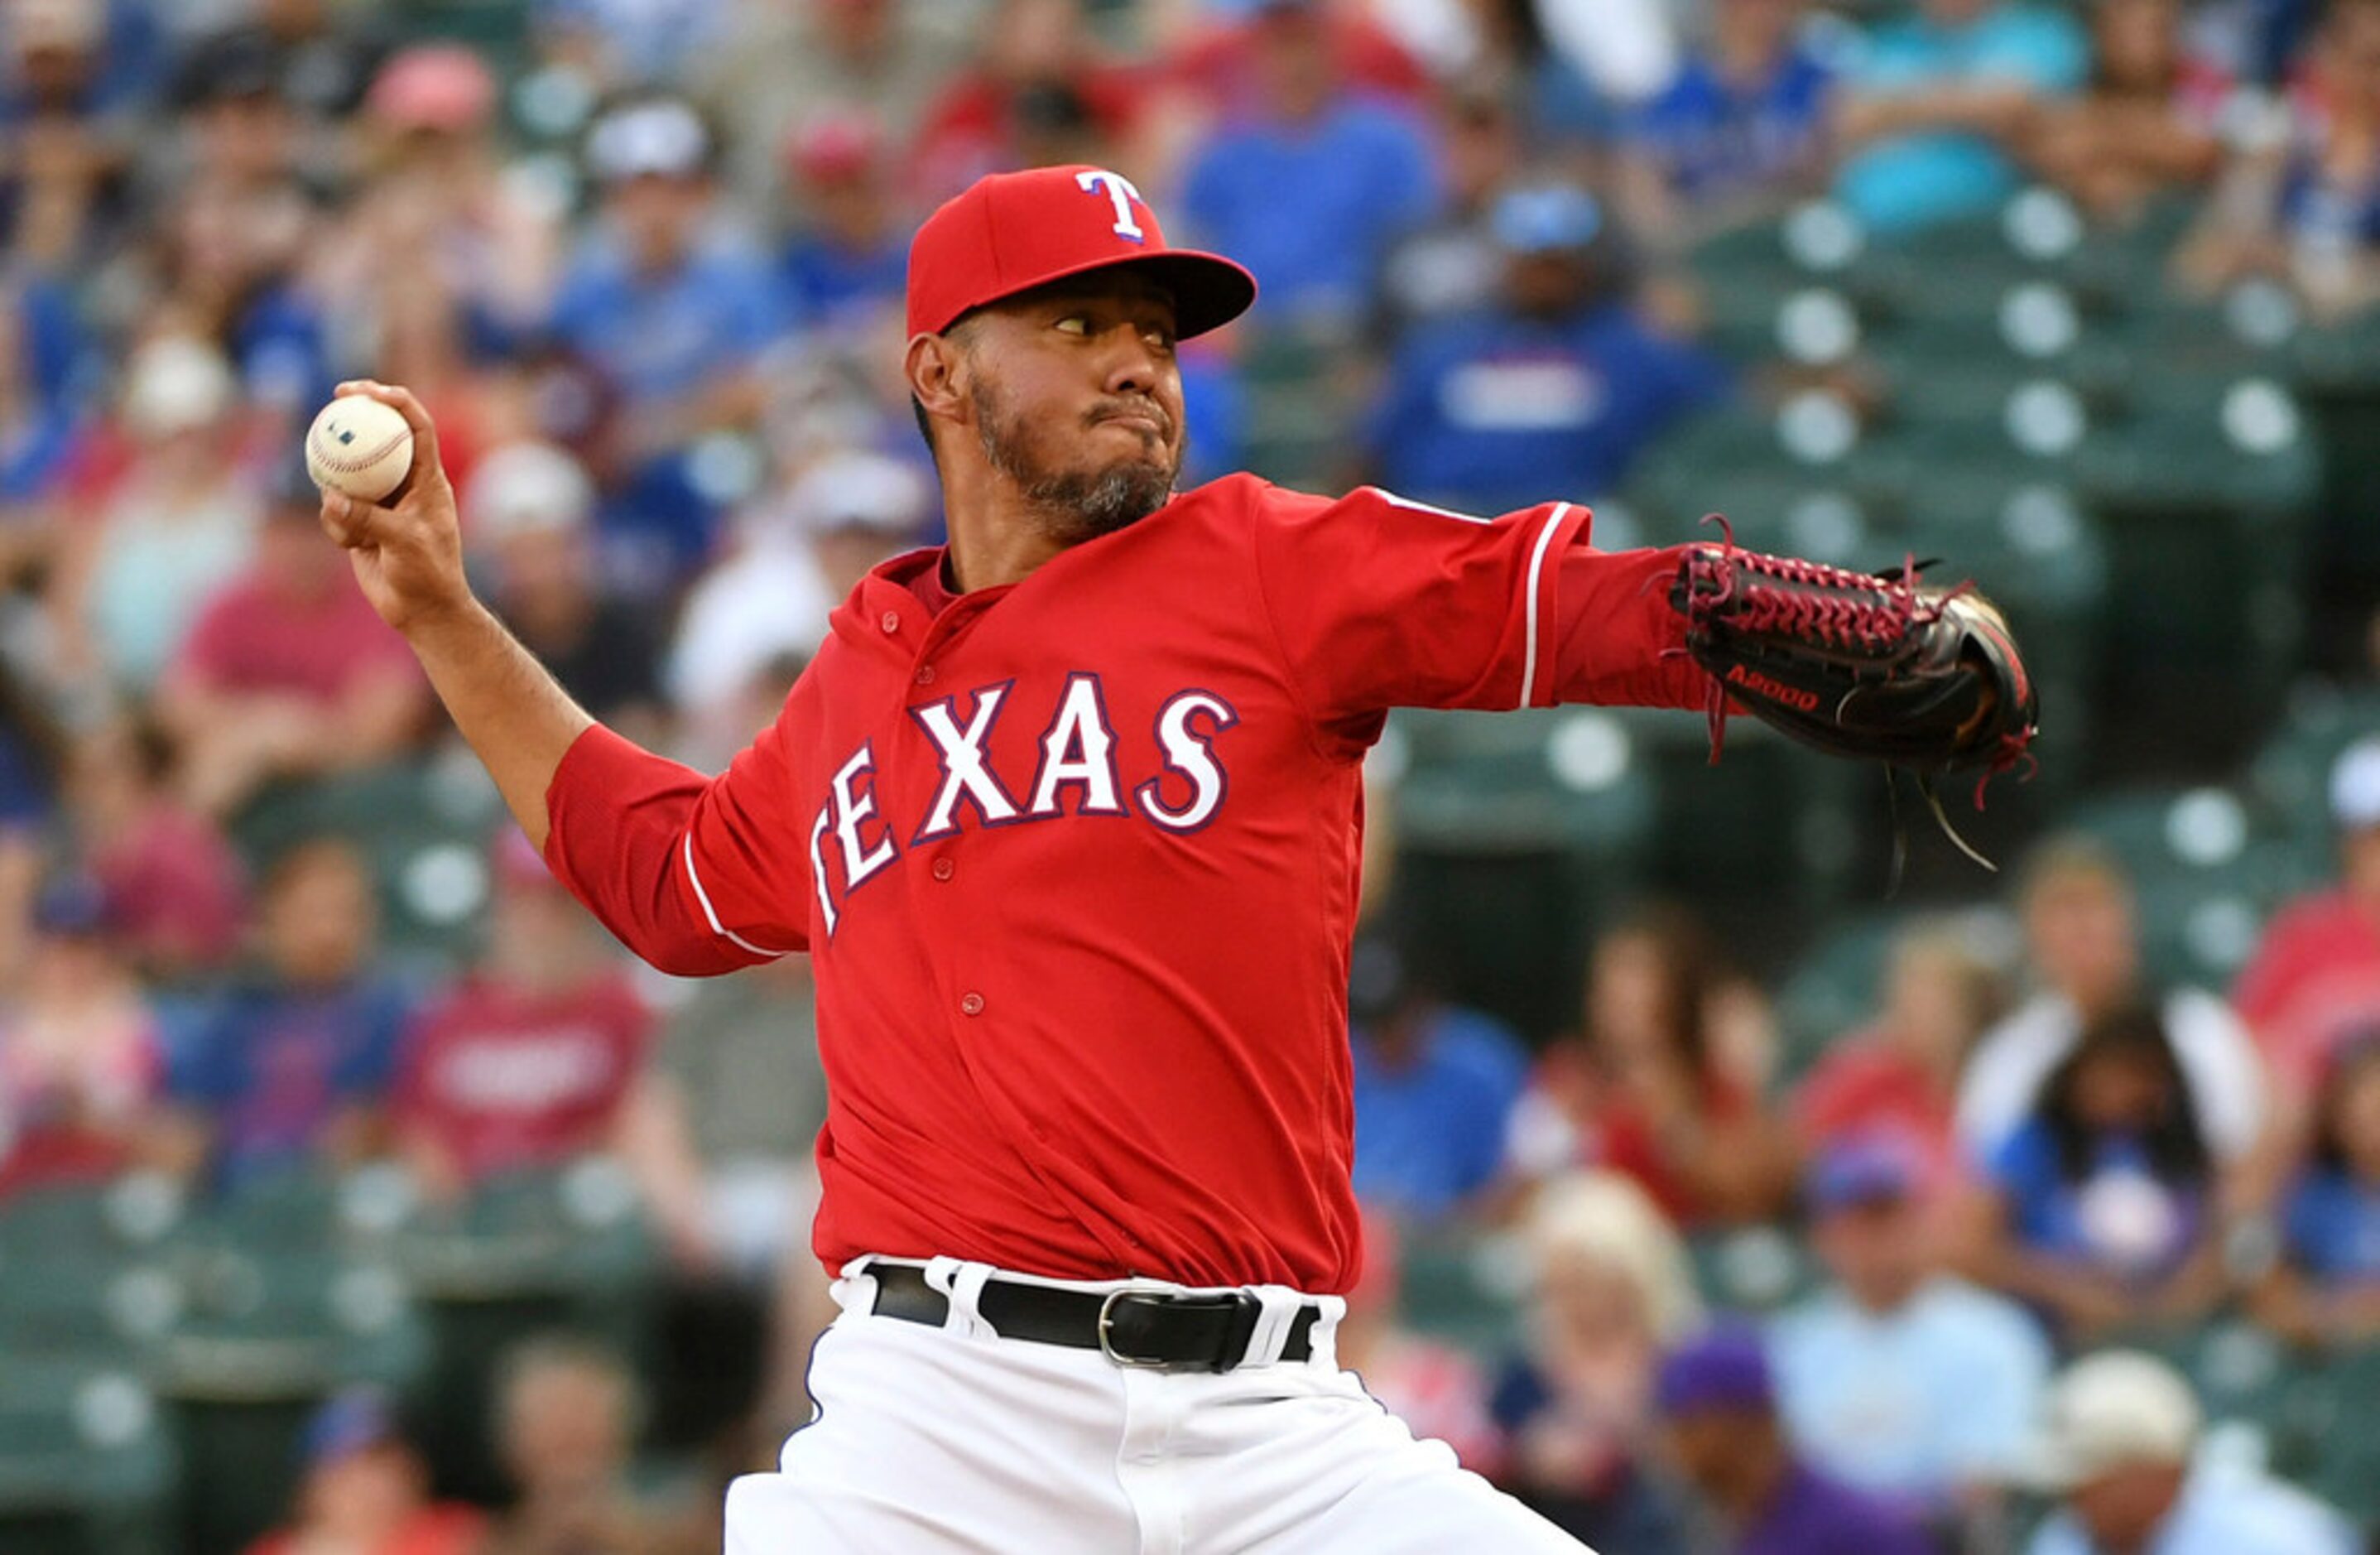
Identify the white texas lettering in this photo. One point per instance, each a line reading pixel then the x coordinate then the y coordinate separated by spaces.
pixel 1192 755
pixel 965 777
pixel 850 809
pixel 1079 749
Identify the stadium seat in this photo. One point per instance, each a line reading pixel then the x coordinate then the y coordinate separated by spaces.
pixel 1832 990
pixel 2345 1431
pixel 1751 1268
pixel 1442 1292
pixel 2290 775
pixel 523 1255
pixel 85 1466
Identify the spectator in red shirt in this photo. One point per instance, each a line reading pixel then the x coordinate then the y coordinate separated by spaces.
pixel 289 673
pixel 80 1068
pixel 1033 56
pixel 533 1058
pixel 1665 1085
pixel 365 1491
pixel 2316 977
pixel 175 891
pixel 1899 1076
pixel 1216 63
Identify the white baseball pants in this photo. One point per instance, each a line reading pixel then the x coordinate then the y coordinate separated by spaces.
pixel 933 1440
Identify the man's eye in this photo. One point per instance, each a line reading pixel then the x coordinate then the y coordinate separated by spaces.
pixel 1160 341
pixel 1074 323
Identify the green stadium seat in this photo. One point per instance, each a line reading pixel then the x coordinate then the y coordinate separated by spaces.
pixel 85 1466
pixel 1299 405
pixel 2343 1430
pixel 1517 782
pixel 423 829
pixel 1832 990
pixel 1447 1291
pixel 268 1323
pixel 2289 778
pixel 1751 1270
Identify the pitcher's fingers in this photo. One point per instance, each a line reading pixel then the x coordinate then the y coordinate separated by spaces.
pixel 401 400
pixel 346 520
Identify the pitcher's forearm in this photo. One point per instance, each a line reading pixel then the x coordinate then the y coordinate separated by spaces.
pixel 513 714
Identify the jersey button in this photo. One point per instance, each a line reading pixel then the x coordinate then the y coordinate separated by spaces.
pixel 944 868
pixel 971 1004
pixel 925 674
pixel 892 622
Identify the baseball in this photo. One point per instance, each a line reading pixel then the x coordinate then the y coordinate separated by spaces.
pixel 360 446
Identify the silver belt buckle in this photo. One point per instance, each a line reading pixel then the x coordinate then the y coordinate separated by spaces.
pixel 1107 1346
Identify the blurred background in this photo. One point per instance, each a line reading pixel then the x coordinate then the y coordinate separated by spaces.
pixel 353 1185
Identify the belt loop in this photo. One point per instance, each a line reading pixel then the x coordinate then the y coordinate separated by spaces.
pixel 1324 1339
pixel 1278 1308
pixel 961 1283
pixel 854 1289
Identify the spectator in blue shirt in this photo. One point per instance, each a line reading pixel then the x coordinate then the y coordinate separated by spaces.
pixel 1435 1085
pixel 1719 1400
pixel 2325 1286
pixel 291 1069
pixel 846 262
pixel 1899 1378
pixel 674 312
pixel 100 58
pixel 1453 265
pixel 2122 1434
pixel 1739 129
pixel 1310 191
pixel 1555 388
pixel 72 77
pixel 39 350
pixel 2100 1205
pixel 1937 107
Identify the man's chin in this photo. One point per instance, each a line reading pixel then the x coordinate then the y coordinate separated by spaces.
pixel 1085 506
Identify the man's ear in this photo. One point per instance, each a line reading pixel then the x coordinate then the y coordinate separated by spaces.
pixel 937 370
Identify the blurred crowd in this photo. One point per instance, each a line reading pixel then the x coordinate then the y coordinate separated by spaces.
pixel 645 262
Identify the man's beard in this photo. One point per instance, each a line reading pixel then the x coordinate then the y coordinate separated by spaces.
pixel 1072 505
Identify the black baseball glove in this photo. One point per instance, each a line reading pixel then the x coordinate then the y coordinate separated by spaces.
pixel 1876 667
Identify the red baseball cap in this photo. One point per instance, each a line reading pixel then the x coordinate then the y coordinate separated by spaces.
pixel 1011 232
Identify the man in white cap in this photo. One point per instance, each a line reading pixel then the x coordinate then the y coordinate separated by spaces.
pixel 2316 977
pixel 2118 1448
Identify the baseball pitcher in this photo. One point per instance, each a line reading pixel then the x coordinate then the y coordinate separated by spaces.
pixel 1068 815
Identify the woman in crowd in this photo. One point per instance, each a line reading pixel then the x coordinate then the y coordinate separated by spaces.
pixel 2302 198
pixel 1665 1085
pixel 2325 1286
pixel 2147 122
pixel 1900 1076
pixel 1612 1292
pixel 2100 1208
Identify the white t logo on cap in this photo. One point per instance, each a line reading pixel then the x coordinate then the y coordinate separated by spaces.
pixel 1120 193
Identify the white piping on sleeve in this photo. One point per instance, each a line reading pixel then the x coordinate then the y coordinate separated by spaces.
pixel 1537 570
pixel 708 912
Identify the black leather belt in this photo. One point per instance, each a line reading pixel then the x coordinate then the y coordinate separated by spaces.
pixel 1158 1329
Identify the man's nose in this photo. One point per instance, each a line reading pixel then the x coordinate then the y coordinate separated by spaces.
pixel 1132 364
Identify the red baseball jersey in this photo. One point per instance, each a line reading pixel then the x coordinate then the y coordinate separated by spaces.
pixel 1076 857
pixel 507 1080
